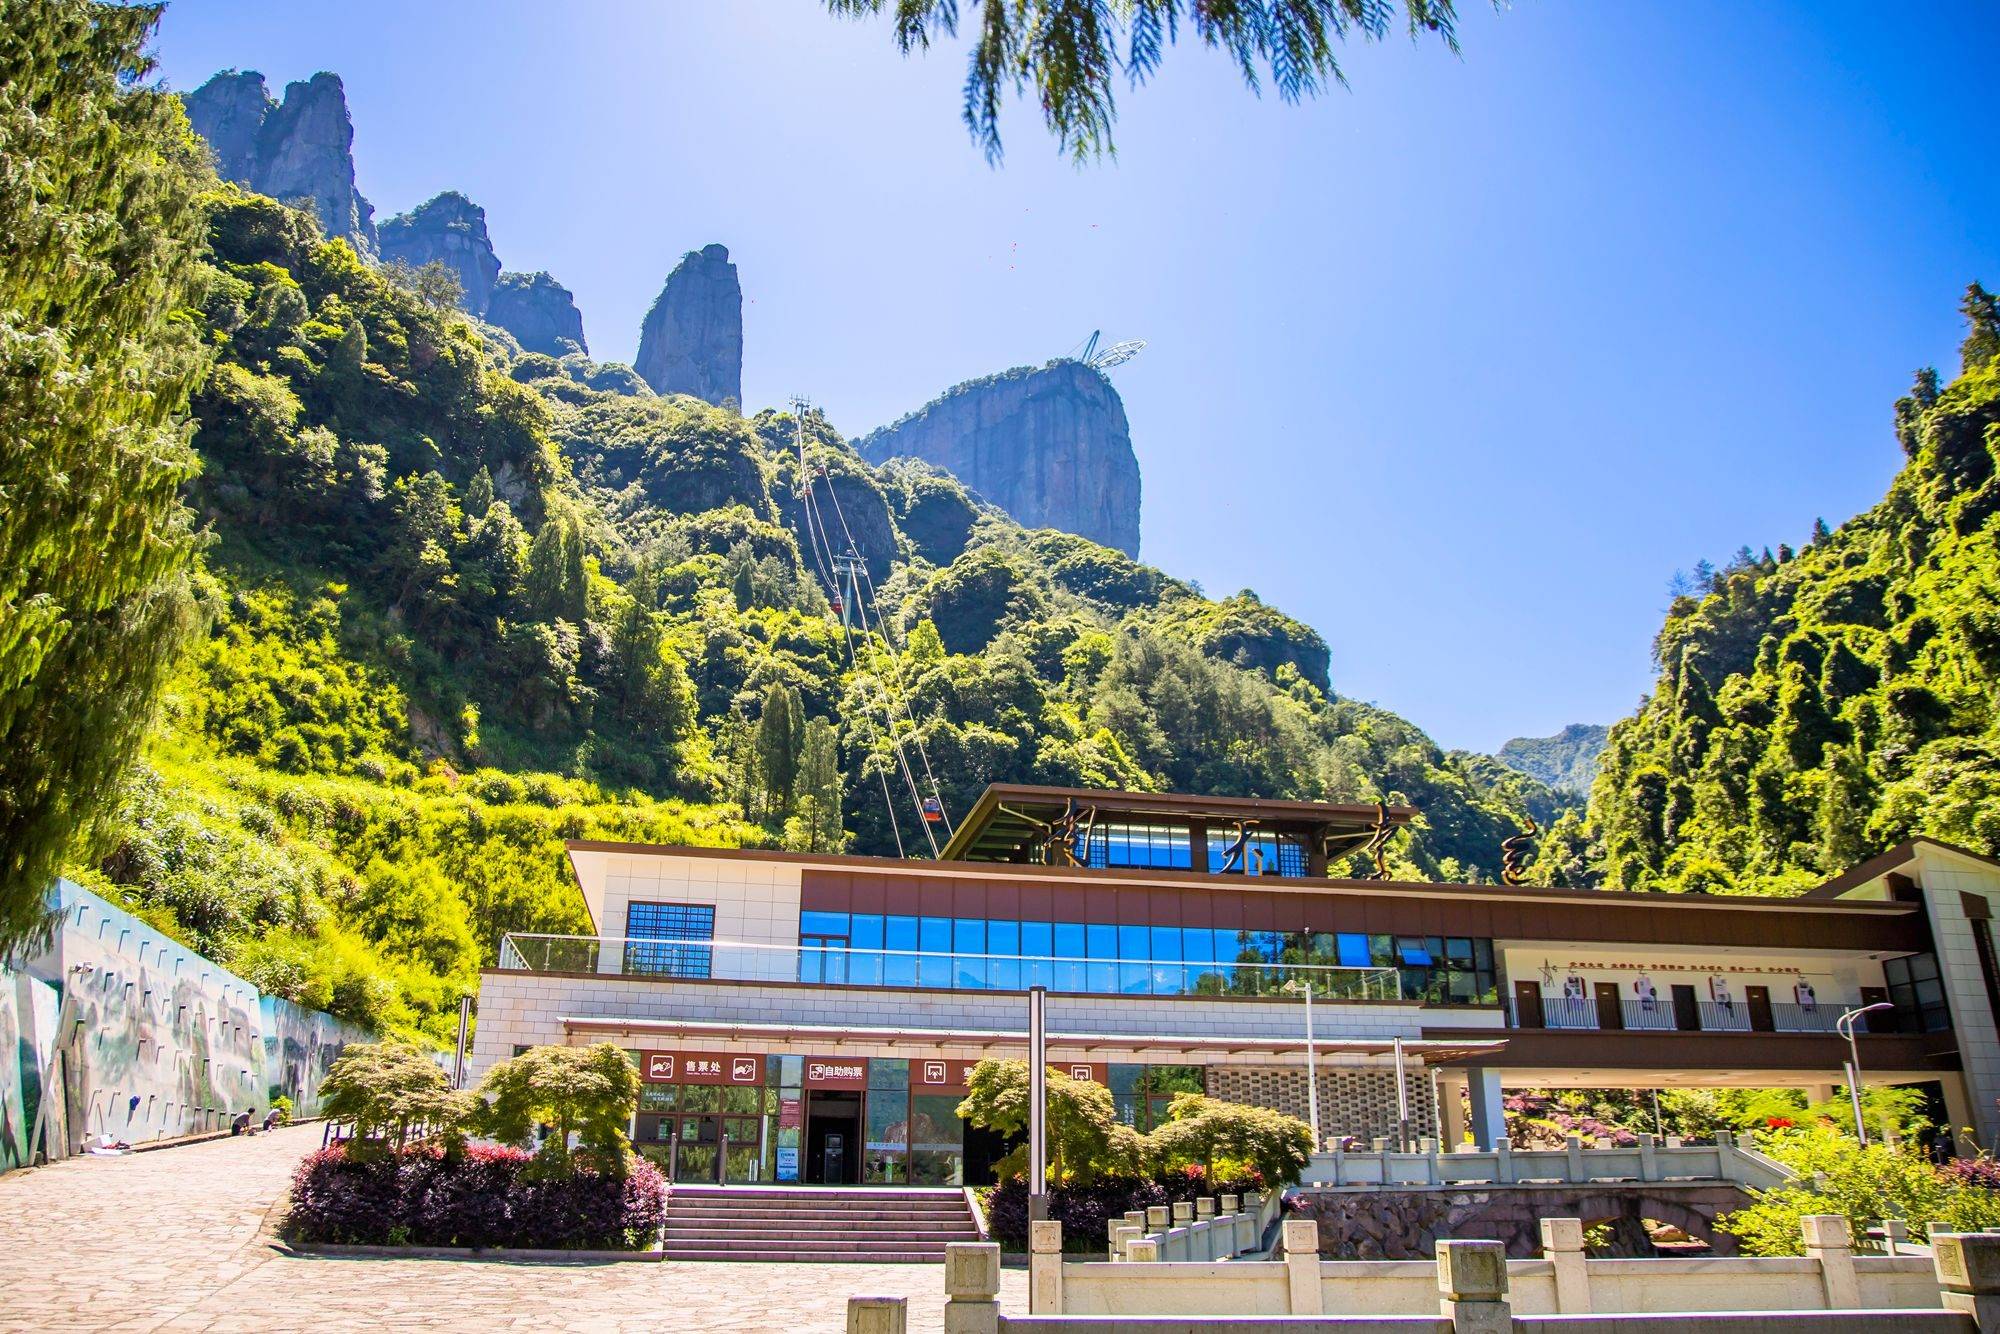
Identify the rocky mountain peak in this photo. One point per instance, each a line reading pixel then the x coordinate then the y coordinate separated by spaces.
pixel 298 150
pixel 539 312
pixel 1050 445
pixel 450 229
pixel 228 111
pixel 692 340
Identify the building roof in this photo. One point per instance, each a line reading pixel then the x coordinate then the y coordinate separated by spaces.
pixel 1010 817
pixel 1883 863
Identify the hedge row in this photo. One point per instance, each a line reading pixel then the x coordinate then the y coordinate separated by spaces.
pixel 485 1197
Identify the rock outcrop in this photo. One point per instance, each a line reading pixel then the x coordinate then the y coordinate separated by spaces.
pixel 227 112
pixel 298 150
pixel 539 312
pixel 448 229
pixel 1049 445
pixel 692 340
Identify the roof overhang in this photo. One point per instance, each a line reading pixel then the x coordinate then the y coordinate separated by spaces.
pixel 1007 815
pixel 806 1039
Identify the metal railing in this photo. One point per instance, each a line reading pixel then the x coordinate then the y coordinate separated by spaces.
pixel 838 965
pixel 1711 1016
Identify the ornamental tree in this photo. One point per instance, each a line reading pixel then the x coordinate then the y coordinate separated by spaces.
pixel 392 1091
pixel 590 1092
pixel 1086 1140
pixel 1219 1136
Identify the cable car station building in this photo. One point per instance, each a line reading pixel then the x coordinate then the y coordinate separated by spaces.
pixel 812 1018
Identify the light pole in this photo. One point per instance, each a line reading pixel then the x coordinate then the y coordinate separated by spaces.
pixel 1300 986
pixel 1845 1026
pixel 1038 1097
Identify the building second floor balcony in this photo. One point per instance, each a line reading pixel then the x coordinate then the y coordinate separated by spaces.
pixel 947 970
pixel 1679 1014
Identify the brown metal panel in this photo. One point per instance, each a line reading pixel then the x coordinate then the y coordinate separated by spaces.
pixel 1003 901
pixel 903 897
pixel 1037 902
pixel 968 897
pixel 1226 911
pixel 1163 907
pixel 1100 903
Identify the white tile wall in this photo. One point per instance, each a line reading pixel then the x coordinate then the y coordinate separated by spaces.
pixel 1944 876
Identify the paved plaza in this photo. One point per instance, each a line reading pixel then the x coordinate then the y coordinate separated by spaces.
pixel 178 1239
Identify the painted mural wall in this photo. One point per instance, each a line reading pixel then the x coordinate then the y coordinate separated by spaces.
pixel 160 1041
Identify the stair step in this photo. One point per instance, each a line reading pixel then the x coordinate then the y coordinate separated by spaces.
pixel 787 1256
pixel 818 1234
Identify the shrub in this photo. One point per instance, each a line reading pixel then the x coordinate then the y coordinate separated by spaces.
pixel 484 1197
pixel 1233 1138
pixel 589 1091
pixel 1838 1176
pixel 1086 1210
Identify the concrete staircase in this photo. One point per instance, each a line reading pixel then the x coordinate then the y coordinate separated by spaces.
pixel 815 1223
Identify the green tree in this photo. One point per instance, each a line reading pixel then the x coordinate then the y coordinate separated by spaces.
pixel 1982 318
pixel 390 1091
pixel 1086 1140
pixel 780 736
pixel 1225 1137
pixel 100 243
pixel 1071 52
pixel 591 1092
pixel 555 584
pixel 818 822
pixel 1838 1176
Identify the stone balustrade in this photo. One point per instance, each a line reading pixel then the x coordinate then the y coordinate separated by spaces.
pixel 1896 1292
pixel 1728 1159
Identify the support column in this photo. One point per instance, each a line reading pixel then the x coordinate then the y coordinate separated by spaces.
pixel 1489 1117
pixel 1045 1267
pixel 1830 1244
pixel 1301 1240
pixel 1958 1110
pixel 1817 1093
pixel 1451 1112
pixel 1968 1271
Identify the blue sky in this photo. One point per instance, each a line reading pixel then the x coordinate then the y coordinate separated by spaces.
pixel 1458 366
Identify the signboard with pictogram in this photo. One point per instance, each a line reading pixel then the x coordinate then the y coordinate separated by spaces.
pixel 836 1072
pixel 700 1067
pixel 947 1074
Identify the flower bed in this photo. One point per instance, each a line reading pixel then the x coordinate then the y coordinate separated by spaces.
pixel 482 1198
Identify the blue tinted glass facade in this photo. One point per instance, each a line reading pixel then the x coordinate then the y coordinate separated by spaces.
pixel 648 922
pixel 988 954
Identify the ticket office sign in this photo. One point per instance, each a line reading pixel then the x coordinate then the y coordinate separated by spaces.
pixel 836 1072
pixel 700 1067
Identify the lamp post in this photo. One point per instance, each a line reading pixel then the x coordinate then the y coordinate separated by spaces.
pixel 1300 986
pixel 1845 1026
pixel 1038 1096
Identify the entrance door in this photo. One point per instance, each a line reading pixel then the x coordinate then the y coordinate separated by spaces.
pixel 1609 1015
pixel 1758 1000
pixel 1687 1010
pixel 833 1139
pixel 699 1158
pixel 1528 1004
pixel 1882 1021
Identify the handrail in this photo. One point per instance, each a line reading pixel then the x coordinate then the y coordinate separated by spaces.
pixel 531 951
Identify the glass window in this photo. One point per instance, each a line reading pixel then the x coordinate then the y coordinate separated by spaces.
pixel 1169 979
pixel 934 939
pixel 1102 946
pixel 647 922
pixel 900 968
pixel 968 941
pixel 937 1141
pixel 1411 952
pixel 823 923
pixel 1003 939
pixel 1351 950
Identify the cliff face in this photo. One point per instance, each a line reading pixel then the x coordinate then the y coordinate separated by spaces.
pixel 228 111
pixel 299 150
pixel 1050 446
pixel 449 229
pixel 692 340
pixel 539 312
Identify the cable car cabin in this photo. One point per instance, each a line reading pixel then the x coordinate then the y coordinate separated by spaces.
pixel 933 810
pixel 839 607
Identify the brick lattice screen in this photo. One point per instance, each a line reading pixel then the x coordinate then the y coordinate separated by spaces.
pixel 1352 1101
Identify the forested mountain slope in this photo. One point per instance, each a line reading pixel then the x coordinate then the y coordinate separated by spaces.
pixel 1816 706
pixel 465 602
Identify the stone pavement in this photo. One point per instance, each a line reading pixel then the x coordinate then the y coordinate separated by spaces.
pixel 175 1239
